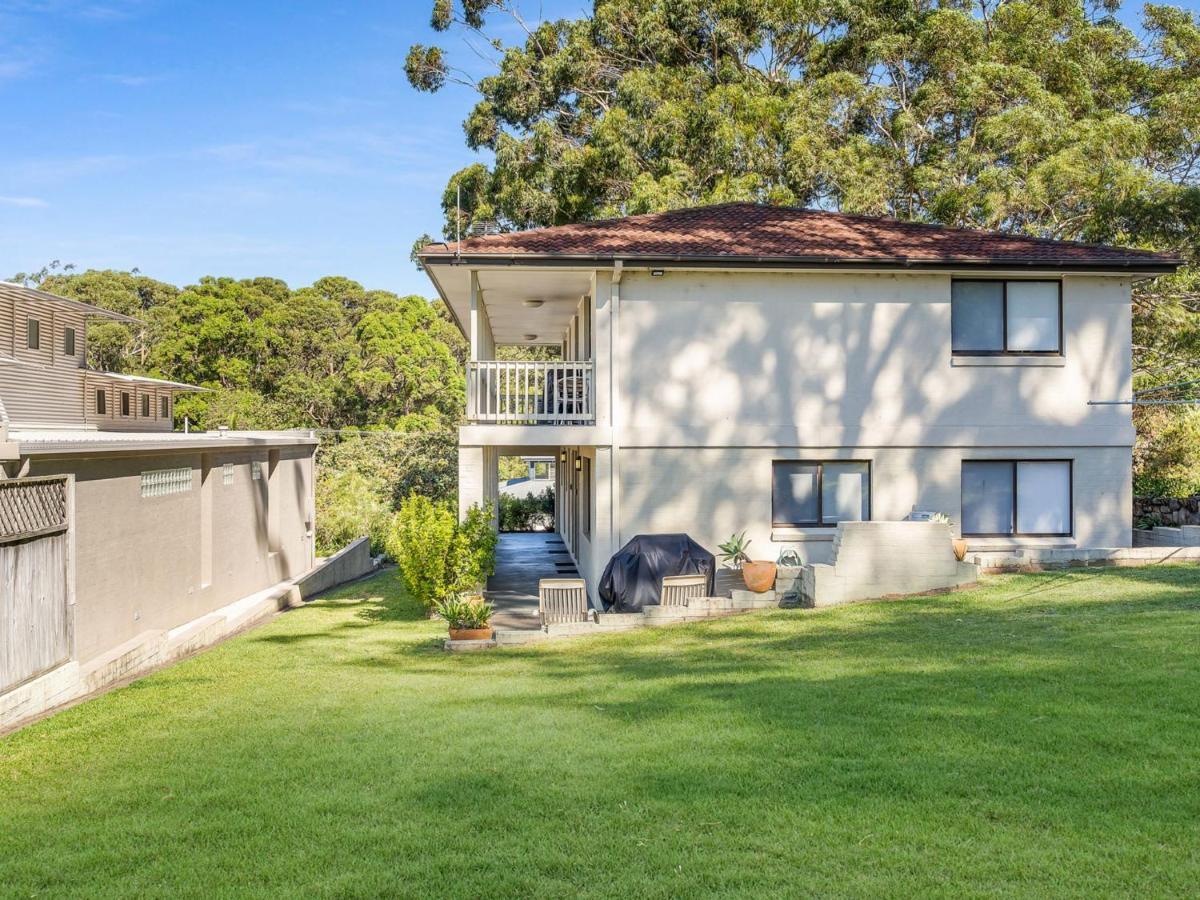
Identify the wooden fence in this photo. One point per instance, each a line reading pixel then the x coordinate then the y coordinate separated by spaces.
pixel 36 596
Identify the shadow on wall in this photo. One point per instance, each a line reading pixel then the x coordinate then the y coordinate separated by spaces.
pixel 710 365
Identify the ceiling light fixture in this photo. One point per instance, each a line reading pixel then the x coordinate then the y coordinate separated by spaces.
pixel 657 273
pixel 533 304
pixel 531 337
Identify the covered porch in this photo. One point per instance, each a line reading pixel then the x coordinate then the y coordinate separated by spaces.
pixel 583 538
pixel 522 560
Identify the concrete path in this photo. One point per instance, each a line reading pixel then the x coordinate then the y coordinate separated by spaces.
pixel 521 560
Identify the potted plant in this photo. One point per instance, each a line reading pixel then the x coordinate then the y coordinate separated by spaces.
pixel 759 574
pixel 956 543
pixel 468 616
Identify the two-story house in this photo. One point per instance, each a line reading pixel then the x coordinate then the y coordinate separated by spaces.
pixel 157 530
pixel 775 370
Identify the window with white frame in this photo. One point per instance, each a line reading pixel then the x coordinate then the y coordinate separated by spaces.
pixel 164 407
pixel 990 318
pixel 33 334
pixel 820 494
pixel 145 406
pixel 68 342
pixel 101 403
pixel 1029 498
pixel 163 482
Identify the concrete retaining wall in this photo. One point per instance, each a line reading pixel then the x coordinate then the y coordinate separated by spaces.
pixel 349 563
pixel 153 648
pixel 1185 536
pixel 1032 560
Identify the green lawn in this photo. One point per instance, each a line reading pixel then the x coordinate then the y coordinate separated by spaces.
pixel 1037 736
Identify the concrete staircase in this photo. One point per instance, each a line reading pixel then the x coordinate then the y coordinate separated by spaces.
pixel 607 623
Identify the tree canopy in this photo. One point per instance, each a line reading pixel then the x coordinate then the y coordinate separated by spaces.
pixel 331 355
pixel 1042 117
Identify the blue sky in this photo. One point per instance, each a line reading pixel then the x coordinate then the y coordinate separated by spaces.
pixel 256 137
pixel 259 137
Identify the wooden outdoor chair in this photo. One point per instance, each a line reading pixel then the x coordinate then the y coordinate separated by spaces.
pixel 562 600
pixel 677 590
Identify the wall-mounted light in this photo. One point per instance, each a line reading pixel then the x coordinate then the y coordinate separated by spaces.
pixel 578 463
pixel 533 304
pixel 563 457
pixel 658 273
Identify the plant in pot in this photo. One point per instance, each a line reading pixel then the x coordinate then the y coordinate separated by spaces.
pixel 468 616
pixel 956 543
pixel 758 574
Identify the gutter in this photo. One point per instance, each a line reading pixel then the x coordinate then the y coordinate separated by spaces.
pixel 1161 266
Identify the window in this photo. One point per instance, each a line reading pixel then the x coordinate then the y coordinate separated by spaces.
pixel 227 474
pixel 161 482
pixel 101 403
pixel 996 317
pixel 820 493
pixel 587 497
pixel 125 403
pixel 145 406
pixel 68 341
pixel 256 470
pixel 164 407
pixel 33 334
pixel 1026 497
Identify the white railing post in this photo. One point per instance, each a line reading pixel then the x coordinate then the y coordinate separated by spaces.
pixel 531 392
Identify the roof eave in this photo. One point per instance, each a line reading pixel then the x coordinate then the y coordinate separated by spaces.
pixel 1127 266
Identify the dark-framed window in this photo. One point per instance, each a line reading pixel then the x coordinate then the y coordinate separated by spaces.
pixel 164 407
pixel 145 406
pixel 1017 498
pixel 125 403
pixel 68 342
pixel 820 494
pixel 1006 317
pixel 101 403
pixel 33 334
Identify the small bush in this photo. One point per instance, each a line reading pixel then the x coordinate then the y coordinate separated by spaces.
pixel 532 513
pixel 439 557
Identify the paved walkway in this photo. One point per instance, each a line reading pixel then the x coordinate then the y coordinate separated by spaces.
pixel 522 559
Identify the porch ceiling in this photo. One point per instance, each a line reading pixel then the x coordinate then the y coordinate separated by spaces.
pixel 504 294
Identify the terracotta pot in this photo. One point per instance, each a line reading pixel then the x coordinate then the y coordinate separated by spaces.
pixel 960 548
pixel 470 634
pixel 759 575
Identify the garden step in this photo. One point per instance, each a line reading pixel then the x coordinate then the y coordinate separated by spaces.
pixel 468 646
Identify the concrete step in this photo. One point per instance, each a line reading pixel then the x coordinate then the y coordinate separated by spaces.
pixel 468 646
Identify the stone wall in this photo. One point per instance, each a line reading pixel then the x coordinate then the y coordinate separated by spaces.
pixel 1168 510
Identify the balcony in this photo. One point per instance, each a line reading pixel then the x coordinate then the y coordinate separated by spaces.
pixel 531 393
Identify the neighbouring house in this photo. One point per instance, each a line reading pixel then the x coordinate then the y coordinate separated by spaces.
pixel 118 533
pixel 539 476
pixel 782 370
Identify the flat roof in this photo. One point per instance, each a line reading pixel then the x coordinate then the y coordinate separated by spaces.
pixel 82 442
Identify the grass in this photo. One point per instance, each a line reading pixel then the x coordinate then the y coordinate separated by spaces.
pixel 1039 736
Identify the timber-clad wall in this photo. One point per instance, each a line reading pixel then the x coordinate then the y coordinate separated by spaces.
pixel 36 615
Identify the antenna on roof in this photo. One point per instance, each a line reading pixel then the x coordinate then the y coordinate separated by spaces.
pixel 458 220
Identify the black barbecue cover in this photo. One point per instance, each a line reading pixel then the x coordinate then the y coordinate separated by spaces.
pixel 633 578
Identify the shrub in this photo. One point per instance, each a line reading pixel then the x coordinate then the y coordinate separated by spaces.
pixel 349 505
pixel 439 557
pixel 531 513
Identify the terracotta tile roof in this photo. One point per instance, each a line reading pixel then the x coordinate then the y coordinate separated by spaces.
pixel 755 232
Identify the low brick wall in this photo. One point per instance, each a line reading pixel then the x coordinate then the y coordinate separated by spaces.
pixel 1037 560
pixel 881 559
pixel 1183 536
pixel 1168 510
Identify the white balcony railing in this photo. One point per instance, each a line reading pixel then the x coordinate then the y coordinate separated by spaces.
pixel 555 393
